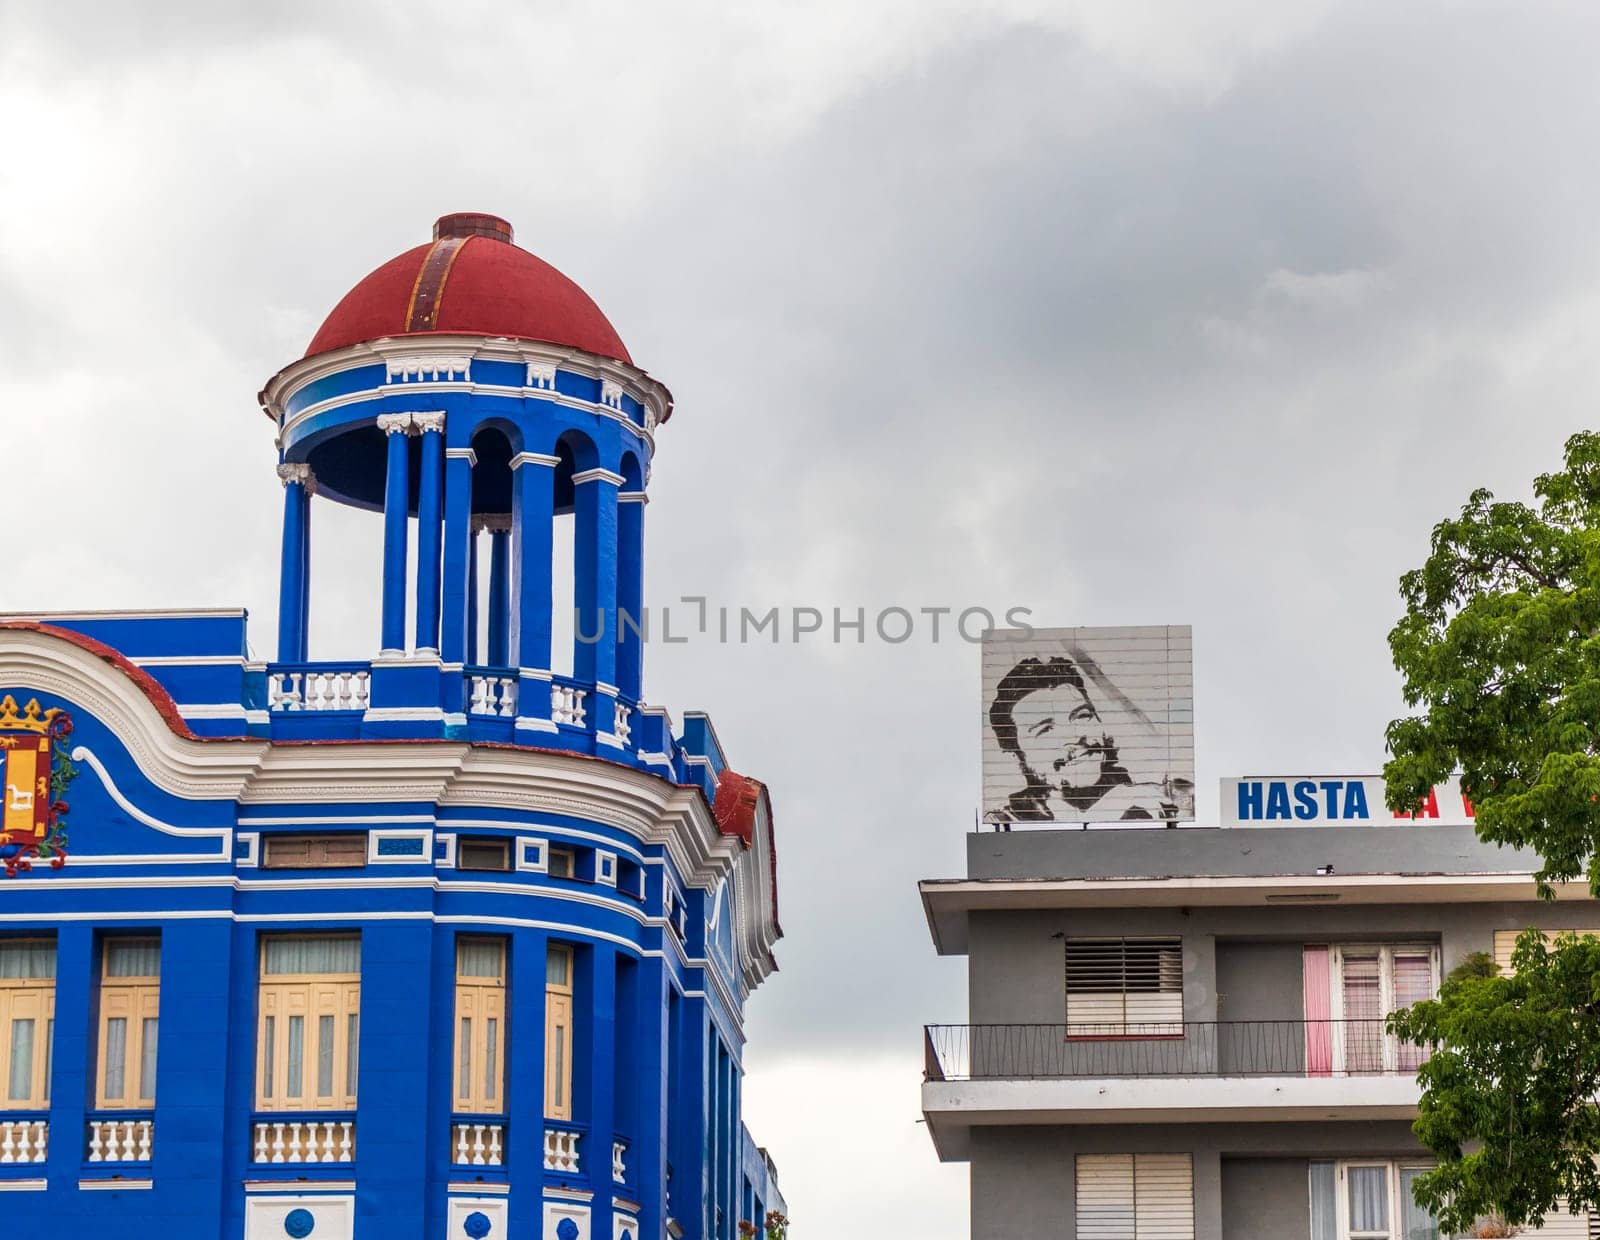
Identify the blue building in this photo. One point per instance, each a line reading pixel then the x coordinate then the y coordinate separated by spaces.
pixel 454 941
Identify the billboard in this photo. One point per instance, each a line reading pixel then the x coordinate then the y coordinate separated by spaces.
pixel 1088 725
pixel 1332 800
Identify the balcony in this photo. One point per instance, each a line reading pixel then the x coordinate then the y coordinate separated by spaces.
pixel 354 701
pixel 478 1141
pixel 313 1139
pixel 1172 1072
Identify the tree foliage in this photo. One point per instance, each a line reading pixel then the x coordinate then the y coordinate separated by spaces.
pixel 1499 648
pixel 1514 1070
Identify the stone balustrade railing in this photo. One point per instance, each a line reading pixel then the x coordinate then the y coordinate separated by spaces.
pixel 478 1143
pixel 24 1140
pixel 304 1140
pixel 120 1139
pixel 326 686
pixel 561 1150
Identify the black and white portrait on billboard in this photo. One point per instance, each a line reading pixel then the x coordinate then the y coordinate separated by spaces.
pixel 1088 725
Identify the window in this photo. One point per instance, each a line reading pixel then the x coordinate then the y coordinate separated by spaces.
pixel 314 852
pixel 1368 1200
pixel 558 1033
pixel 1505 942
pixel 27 1020
pixel 483 855
pixel 563 863
pixel 1135 1197
pixel 130 1001
pixel 480 1025
pixel 309 1030
pixel 1124 987
pixel 1369 982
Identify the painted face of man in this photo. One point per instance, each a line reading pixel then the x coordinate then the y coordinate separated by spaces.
pixel 1059 733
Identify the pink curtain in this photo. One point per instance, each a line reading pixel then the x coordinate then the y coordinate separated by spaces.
pixel 1318 1005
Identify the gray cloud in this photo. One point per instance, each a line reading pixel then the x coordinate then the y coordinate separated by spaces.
pixel 1120 320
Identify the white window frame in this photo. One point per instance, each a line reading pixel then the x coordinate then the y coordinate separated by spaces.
pixel 1386 1001
pixel 1393 1168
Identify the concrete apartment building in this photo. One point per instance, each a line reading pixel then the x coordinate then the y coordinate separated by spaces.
pixel 1178 1033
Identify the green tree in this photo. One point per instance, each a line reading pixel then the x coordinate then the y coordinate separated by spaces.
pixel 1500 653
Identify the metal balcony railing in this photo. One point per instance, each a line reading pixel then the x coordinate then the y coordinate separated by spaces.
pixel 1299 1048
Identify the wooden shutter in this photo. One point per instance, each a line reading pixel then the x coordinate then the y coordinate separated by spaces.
pixel 1163 1197
pixel 1135 1197
pixel 1560 1225
pixel 1105 1197
pixel 1506 940
pixel 1123 982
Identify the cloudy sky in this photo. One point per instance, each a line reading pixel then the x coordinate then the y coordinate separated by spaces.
pixel 1125 312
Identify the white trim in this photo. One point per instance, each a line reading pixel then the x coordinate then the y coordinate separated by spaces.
pixel 573 833
pixel 525 724
pixel 111 1186
pixel 114 859
pixel 444 850
pixel 632 497
pixel 329 820
pixel 523 843
pixel 455 1188
pixel 252 857
pixel 605 867
pixel 600 686
pixel 535 673
pixel 402 714
pixel 534 458
pixel 158 613
pixel 23 1186
pixel 610 739
pixel 461 454
pixel 222 834
pixel 423 857
pixel 597 475
pixel 299 1186
pixel 189 660
pixel 224 710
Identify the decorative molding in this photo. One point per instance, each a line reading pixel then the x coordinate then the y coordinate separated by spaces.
pixel 611 394
pixel 426 422
pixel 542 376
pixel 597 475
pixel 535 458
pixel 632 497
pixel 223 835
pixel 420 368
pixel 394 423
pixel 462 454
pixel 297 472
pixel 533 854
pixel 400 847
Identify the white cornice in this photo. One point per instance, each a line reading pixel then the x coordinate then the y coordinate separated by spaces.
pixel 596 475
pixel 639 384
pixel 535 458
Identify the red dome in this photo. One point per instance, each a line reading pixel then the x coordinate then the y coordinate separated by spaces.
pixel 470 280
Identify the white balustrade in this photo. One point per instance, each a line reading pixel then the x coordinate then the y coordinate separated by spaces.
pixel 478 1145
pixel 120 1140
pixel 305 1141
pixel 492 695
pixel 561 1150
pixel 332 690
pixel 24 1140
pixel 567 705
pixel 619 1167
pixel 623 730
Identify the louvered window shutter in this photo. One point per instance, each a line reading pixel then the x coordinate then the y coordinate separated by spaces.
pixel 1163 1197
pixel 1135 1197
pixel 1113 984
pixel 1105 1197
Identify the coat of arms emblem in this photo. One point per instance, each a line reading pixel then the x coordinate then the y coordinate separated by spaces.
pixel 34 774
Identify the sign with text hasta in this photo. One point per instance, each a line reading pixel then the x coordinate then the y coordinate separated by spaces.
pixel 1332 800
